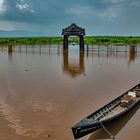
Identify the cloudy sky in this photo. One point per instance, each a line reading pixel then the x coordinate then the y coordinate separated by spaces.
pixel 98 17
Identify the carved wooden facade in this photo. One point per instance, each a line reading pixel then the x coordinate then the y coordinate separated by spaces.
pixel 73 30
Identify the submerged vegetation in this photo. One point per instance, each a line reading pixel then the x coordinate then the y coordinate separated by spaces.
pixel 116 40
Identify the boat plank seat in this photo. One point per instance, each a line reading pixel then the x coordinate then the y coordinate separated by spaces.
pixel 107 111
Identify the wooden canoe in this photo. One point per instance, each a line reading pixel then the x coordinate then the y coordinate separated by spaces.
pixel 105 114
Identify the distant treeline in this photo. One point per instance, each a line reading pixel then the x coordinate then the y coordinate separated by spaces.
pixel 31 40
pixel 116 40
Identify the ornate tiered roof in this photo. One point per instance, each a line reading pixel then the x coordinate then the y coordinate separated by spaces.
pixel 73 30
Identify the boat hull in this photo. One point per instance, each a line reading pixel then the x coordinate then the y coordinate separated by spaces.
pixel 80 131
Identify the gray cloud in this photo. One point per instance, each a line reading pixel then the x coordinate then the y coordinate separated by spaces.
pixel 99 17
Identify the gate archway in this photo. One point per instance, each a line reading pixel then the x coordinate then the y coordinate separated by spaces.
pixel 73 30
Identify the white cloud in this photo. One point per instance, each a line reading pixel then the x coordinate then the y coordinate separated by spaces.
pixel 114 1
pixel 81 11
pixel 96 14
pixel 2 6
pixel 24 6
pixel 135 4
pixel 108 14
pixel 11 25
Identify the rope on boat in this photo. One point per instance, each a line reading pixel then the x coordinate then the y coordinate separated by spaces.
pixel 107 131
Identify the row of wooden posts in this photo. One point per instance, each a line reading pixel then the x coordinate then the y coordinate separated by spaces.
pixel 132 48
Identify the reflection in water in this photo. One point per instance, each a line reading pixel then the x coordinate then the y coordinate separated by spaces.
pixel 10 57
pixel 114 126
pixel 10 48
pixel 99 51
pixel 73 70
pixel 43 104
pixel 132 54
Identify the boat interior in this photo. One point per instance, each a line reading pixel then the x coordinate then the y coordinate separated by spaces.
pixel 111 109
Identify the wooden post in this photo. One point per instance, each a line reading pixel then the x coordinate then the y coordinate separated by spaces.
pixel 2 49
pixel 98 53
pixel 87 50
pixel 81 59
pixel 58 49
pixel 65 42
pixel 81 42
pixel 65 60
pixel 10 49
pixel 132 49
pixel 125 48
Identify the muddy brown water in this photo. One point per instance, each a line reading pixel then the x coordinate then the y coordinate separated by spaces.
pixel 45 91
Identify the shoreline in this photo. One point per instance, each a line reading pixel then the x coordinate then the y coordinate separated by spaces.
pixel 89 40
